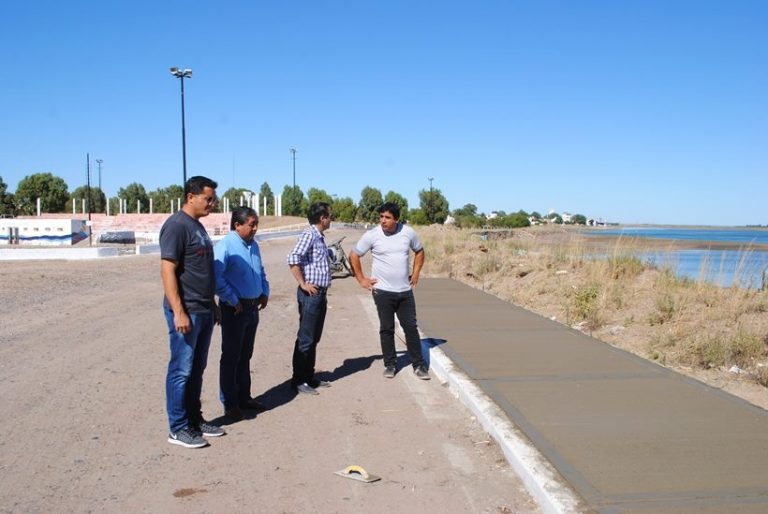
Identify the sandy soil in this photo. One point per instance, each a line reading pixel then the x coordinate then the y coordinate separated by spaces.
pixel 83 352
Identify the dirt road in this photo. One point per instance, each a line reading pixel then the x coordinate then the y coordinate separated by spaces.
pixel 83 352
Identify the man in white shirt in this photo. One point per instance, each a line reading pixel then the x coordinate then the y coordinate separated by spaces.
pixel 391 283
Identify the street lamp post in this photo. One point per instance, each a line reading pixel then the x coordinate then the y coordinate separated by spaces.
pixel 98 162
pixel 181 74
pixel 293 151
pixel 429 204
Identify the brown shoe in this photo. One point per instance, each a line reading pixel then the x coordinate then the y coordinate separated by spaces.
pixel 235 414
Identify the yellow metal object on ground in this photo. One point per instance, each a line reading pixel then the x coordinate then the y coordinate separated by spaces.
pixel 357 473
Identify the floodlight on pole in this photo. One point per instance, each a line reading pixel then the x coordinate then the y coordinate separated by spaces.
pixel 99 162
pixel 182 74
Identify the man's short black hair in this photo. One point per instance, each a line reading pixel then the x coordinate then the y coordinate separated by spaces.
pixel 196 184
pixel 317 211
pixel 240 216
pixel 391 208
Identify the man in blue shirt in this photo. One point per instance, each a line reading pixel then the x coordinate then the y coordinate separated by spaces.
pixel 308 261
pixel 243 290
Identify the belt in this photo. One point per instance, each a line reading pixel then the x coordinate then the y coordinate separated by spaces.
pixel 248 301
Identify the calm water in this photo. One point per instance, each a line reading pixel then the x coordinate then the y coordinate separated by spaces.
pixel 723 267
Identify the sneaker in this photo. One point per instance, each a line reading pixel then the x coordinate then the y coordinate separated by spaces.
pixel 187 438
pixel 390 372
pixel 318 383
pixel 421 372
pixel 306 389
pixel 209 429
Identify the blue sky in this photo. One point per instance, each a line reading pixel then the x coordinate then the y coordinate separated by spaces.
pixel 635 112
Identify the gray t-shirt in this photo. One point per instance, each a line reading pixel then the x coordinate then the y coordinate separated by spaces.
pixel 391 256
pixel 184 240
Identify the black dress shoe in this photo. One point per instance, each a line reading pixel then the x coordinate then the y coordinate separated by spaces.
pixel 235 414
pixel 252 404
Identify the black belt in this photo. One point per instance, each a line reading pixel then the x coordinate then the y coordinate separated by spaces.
pixel 248 301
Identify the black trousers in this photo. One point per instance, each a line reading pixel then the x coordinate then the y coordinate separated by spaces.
pixel 403 305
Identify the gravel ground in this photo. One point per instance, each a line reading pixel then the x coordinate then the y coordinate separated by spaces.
pixel 83 352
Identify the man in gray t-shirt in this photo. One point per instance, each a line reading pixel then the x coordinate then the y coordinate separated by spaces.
pixel 391 283
pixel 186 270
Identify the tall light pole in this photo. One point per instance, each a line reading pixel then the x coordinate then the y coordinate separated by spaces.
pixel 98 162
pixel 293 151
pixel 181 74
pixel 429 204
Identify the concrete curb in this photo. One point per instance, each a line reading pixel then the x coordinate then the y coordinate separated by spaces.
pixel 30 254
pixel 541 479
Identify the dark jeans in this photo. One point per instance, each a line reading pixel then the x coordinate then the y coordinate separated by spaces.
pixel 238 332
pixel 184 381
pixel 312 311
pixel 404 305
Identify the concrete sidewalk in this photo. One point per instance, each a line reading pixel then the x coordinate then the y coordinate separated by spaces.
pixel 589 427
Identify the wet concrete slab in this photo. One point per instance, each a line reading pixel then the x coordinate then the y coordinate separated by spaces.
pixel 626 434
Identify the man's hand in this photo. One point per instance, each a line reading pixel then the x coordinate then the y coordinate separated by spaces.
pixel 367 283
pixel 216 314
pixel 182 323
pixel 263 300
pixel 414 279
pixel 309 288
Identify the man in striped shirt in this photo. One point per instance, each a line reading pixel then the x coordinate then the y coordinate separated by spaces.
pixel 308 262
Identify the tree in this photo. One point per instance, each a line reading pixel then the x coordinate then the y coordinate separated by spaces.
pixel 266 192
pixel 315 195
pixel 418 217
pixel 236 195
pixel 434 205
pixel 98 201
pixel 519 219
pixel 163 197
pixel 579 219
pixel 134 193
pixel 294 203
pixel 6 199
pixel 344 210
pixel 370 201
pixel 400 201
pixel 467 217
pixel 51 190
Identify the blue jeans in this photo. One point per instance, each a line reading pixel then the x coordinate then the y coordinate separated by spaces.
pixel 238 332
pixel 404 305
pixel 184 381
pixel 312 311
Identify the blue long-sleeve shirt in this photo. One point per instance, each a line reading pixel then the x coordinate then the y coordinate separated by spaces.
pixel 239 270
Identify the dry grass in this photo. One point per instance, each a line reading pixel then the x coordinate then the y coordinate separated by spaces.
pixel 609 292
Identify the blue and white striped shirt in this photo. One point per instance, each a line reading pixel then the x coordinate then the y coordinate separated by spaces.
pixel 311 255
